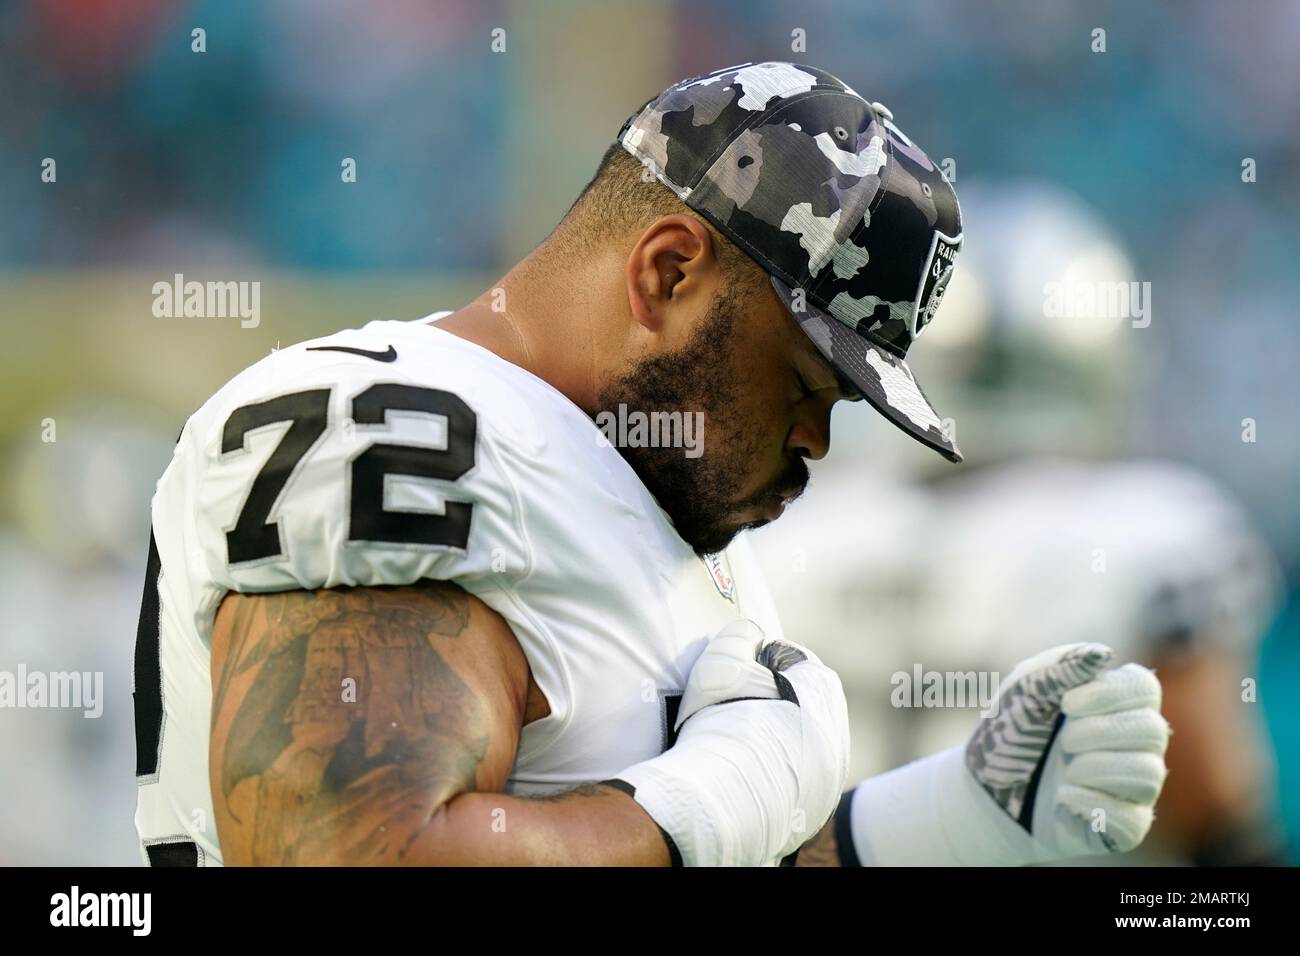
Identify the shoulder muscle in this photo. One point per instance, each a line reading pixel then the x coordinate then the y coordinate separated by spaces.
pixel 343 720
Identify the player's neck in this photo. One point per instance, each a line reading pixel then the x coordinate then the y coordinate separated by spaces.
pixel 544 326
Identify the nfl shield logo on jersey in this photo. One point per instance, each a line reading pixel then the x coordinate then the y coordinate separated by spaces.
pixel 721 575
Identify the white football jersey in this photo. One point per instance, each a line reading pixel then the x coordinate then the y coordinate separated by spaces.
pixel 399 452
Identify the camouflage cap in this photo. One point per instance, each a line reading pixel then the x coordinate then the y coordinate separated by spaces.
pixel 857 228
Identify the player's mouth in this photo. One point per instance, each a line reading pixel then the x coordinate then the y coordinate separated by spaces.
pixel 775 506
pixel 769 504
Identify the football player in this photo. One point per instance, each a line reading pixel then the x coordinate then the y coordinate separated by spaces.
pixel 409 602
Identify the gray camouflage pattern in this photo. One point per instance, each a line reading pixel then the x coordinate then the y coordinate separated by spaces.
pixel 858 228
pixel 1006 751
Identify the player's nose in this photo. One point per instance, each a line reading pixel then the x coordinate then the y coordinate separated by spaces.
pixel 810 437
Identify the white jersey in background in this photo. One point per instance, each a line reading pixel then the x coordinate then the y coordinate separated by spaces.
pixel 399 452
pixel 884 577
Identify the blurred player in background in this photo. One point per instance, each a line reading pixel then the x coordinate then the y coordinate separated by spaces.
pixel 1018 552
pixel 78 508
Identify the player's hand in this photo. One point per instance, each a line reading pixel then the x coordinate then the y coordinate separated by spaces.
pixel 1075 753
pixel 761 755
pixel 1070 765
pixel 740 664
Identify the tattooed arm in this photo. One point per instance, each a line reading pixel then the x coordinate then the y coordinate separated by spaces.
pixel 377 726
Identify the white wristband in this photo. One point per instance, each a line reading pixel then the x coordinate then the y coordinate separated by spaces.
pixel 723 800
pixel 932 812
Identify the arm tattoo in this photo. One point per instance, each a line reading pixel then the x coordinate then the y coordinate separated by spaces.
pixel 349 723
pixel 586 790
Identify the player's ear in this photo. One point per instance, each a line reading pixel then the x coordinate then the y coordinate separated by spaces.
pixel 671 262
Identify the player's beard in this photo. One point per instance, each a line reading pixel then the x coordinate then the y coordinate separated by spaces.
pixel 698 493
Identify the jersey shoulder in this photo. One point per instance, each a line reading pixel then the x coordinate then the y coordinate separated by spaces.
pixel 379 455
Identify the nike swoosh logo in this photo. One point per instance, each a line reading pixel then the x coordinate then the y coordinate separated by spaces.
pixel 388 356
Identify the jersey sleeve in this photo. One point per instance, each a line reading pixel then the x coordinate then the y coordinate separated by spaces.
pixel 319 474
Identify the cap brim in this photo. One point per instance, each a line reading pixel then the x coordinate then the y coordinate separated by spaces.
pixel 882 377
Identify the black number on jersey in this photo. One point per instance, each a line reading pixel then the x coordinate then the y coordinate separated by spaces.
pixel 671 704
pixel 368 520
pixel 254 538
pixel 146 693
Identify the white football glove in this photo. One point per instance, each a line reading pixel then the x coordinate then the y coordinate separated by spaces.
pixel 1070 765
pixel 761 756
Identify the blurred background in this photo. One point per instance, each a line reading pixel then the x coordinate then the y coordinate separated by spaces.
pixel 1132 465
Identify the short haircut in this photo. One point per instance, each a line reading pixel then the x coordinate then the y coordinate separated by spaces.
pixel 623 197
